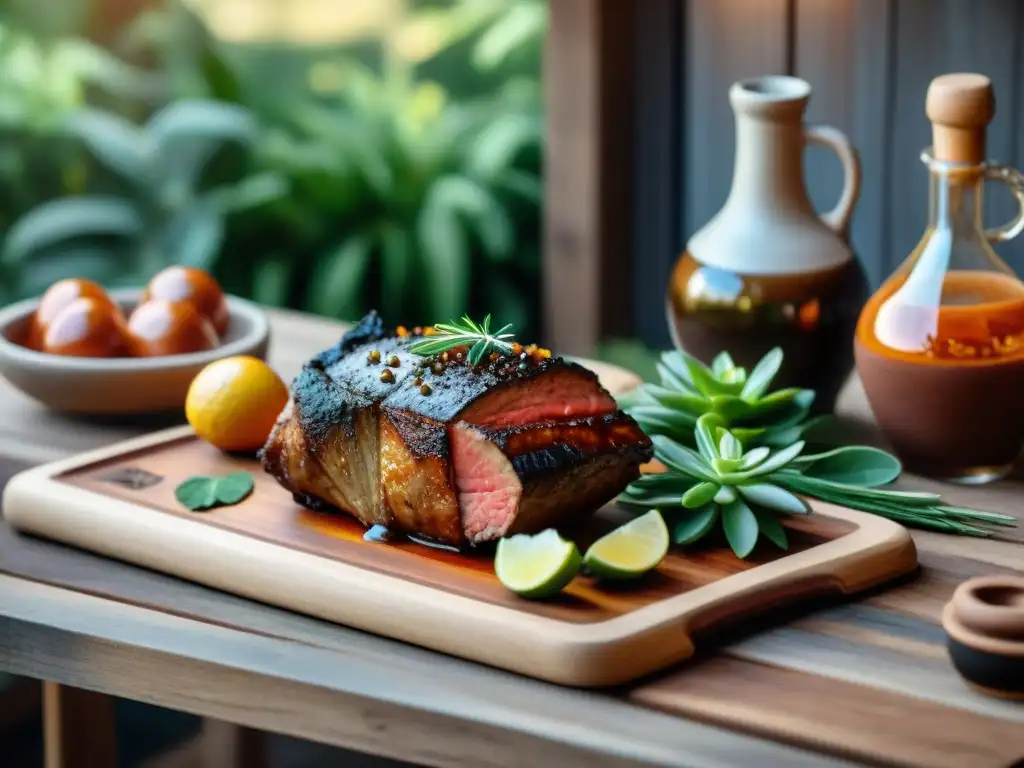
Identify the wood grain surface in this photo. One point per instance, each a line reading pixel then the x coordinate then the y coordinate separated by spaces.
pixel 120 502
pixel 867 681
pixel 270 514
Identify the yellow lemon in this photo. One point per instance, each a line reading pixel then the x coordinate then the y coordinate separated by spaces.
pixel 233 403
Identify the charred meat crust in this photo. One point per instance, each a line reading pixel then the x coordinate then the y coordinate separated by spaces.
pixel 458 387
pixel 423 437
pixel 322 406
pixel 370 328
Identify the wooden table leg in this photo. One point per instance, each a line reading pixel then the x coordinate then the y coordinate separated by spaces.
pixel 79 728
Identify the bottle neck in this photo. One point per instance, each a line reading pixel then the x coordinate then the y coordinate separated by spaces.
pixel 769 165
pixel 955 202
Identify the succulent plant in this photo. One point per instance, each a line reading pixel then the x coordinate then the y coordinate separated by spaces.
pixel 689 389
pixel 748 489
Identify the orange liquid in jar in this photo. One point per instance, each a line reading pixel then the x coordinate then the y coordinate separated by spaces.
pixel 980 319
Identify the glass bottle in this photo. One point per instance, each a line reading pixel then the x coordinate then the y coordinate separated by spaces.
pixel 940 346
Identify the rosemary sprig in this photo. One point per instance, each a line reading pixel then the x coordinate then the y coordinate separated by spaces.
pixel 477 336
pixel 747 490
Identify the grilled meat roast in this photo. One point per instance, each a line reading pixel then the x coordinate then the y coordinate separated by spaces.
pixel 455 453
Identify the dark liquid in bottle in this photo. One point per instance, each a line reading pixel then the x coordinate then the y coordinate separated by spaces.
pixel 810 316
pixel 954 407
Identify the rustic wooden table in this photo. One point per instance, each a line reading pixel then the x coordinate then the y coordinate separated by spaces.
pixel 867 681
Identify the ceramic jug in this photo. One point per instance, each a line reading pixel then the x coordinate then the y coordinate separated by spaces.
pixel 768 270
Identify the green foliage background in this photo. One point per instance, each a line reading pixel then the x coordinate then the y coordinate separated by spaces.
pixel 369 178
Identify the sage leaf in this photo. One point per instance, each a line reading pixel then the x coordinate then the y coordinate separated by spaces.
pixel 852 464
pixel 740 526
pixel 771 528
pixel 762 375
pixel 699 495
pixel 696 525
pixel 774 497
pixel 203 492
pixel 197 493
pixel 234 487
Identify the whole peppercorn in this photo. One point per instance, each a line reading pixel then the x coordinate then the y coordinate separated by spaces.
pixel 394 362
pixel 437 368
pixel 387 376
pixel 425 389
pixel 374 356
pixel 417 381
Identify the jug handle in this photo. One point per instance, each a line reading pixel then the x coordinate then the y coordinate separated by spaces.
pixel 838 219
pixel 1014 179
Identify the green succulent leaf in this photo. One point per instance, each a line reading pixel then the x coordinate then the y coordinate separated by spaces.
pixel 699 495
pixel 705 437
pixel 771 528
pixel 682 459
pixel 777 460
pixel 694 526
pixel 725 495
pixel 761 377
pixel 722 363
pixel 740 526
pixel 730 447
pixel 754 457
pixel 774 497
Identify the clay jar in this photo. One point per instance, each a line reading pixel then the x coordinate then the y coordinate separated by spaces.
pixel 984 623
pixel 767 270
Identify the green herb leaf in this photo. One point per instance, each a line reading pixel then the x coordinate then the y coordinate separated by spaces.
pixel 197 493
pixel 852 464
pixel 204 492
pixel 465 333
pixel 232 488
pixel 740 526
pixel 696 525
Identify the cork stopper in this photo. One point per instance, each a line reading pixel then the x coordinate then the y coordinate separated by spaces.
pixel 960 107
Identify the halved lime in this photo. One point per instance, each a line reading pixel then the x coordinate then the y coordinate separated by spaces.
pixel 631 549
pixel 536 566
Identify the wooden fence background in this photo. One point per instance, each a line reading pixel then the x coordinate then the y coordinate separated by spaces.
pixel 869 63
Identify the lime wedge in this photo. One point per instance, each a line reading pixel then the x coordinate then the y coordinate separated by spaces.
pixel 631 549
pixel 536 566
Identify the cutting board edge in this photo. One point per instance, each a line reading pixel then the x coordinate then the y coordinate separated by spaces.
pixel 609 652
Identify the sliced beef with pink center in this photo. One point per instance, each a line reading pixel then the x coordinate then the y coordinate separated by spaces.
pixel 527 478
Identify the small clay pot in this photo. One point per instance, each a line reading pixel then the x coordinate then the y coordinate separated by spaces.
pixel 984 622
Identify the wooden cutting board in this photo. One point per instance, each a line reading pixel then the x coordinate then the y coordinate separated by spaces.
pixel 119 501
